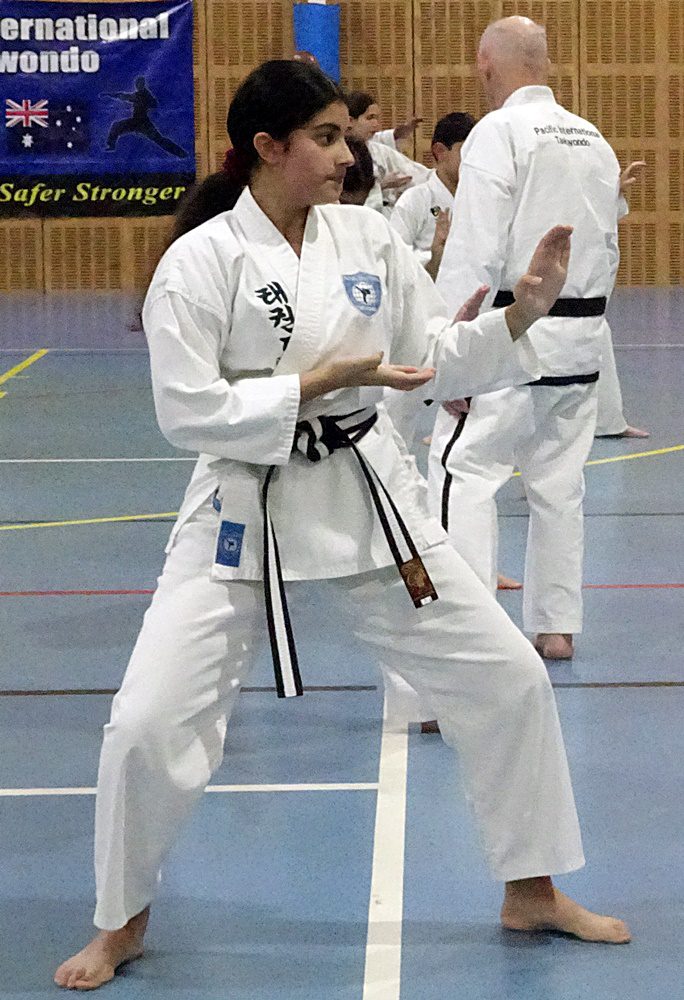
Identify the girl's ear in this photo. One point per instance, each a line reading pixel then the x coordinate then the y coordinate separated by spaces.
pixel 270 150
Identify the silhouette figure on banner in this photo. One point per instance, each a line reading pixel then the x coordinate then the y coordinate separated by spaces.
pixel 143 101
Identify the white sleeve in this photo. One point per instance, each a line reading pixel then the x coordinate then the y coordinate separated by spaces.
pixel 623 207
pixel 250 420
pixel 389 160
pixel 386 138
pixel 374 199
pixel 475 249
pixel 470 357
pixel 405 218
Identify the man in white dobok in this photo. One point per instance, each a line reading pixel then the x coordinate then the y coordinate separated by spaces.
pixel 527 162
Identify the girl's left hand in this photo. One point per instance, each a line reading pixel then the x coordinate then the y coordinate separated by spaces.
pixel 402 377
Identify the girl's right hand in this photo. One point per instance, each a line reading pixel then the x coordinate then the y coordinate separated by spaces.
pixel 351 372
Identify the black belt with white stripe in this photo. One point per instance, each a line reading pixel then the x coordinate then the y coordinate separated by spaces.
pixel 561 307
pixel 318 439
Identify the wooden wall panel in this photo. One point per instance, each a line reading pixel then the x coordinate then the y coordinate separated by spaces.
pixel 102 255
pixel 376 53
pixel 632 84
pixel 21 255
pixel 619 63
pixel 446 36
pixel 240 35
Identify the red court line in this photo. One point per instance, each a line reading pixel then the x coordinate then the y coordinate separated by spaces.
pixel 107 593
pixel 633 586
pixel 68 593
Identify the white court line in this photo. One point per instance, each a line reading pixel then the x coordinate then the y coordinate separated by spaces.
pixel 361 786
pixel 621 347
pixel 85 461
pixel 382 977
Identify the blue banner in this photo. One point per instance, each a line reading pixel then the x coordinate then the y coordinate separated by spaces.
pixel 317 30
pixel 98 108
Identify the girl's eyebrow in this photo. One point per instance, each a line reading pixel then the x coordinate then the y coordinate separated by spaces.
pixel 327 125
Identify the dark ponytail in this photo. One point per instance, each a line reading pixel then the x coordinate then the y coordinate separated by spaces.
pixel 277 97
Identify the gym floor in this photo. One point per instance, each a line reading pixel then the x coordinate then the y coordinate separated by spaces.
pixel 288 881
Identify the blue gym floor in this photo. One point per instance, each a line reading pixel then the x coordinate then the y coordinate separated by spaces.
pixel 287 883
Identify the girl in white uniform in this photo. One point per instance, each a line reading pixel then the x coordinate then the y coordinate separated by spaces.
pixel 394 171
pixel 267 327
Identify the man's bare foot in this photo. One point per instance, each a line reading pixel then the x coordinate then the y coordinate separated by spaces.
pixel 507 583
pixel 535 905
pixel 430 727
pixel 554 646
pixel 106 953
pixel 629 432
pixel 427 440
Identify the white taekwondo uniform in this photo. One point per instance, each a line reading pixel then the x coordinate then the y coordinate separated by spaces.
pixel 232 317
pixel 387 160
pixel 415 214
pixel 526 167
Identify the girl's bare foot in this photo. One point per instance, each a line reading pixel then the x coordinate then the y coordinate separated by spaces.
pixel 106 953
pixel 536 905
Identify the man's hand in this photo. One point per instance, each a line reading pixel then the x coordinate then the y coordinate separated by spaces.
pixel 537 290
pixel 456 407
pixel 442 227
pixel 395 180
pixel 471 307
pixel 406 130
pixel 630 175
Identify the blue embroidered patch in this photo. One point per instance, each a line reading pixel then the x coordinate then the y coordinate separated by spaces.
pixel 229 544
pixel 364 291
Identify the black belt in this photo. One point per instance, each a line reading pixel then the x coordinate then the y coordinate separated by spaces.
pixel 561 307
pixel 566 379
pixel 317 439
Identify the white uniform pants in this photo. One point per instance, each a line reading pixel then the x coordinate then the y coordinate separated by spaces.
pixel 547 432
pixel 491 694
pixel 610 418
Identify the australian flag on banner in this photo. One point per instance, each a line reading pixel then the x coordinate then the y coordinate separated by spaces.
pixel 97 107
pixel 47 128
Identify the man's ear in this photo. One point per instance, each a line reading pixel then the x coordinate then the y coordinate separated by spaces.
pixel 270 150
pixel 438 150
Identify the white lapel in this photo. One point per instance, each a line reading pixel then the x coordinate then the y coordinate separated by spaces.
pixel 305 279
pixel 441 195
pixel 312 332
pixel 266 245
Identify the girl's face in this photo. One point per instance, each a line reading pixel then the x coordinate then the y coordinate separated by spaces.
pixel 315 158
pixel 366 125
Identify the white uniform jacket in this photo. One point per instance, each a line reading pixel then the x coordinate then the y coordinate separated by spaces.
pixel 387 160
pixel 415 214
pixel 526 167
pixel 233 316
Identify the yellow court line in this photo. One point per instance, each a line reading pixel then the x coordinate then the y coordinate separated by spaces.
pixel 87 520
pixel 636 454
pixel 174 513
pixel 22 364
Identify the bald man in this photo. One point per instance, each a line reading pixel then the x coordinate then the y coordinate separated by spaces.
pixel 529 164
